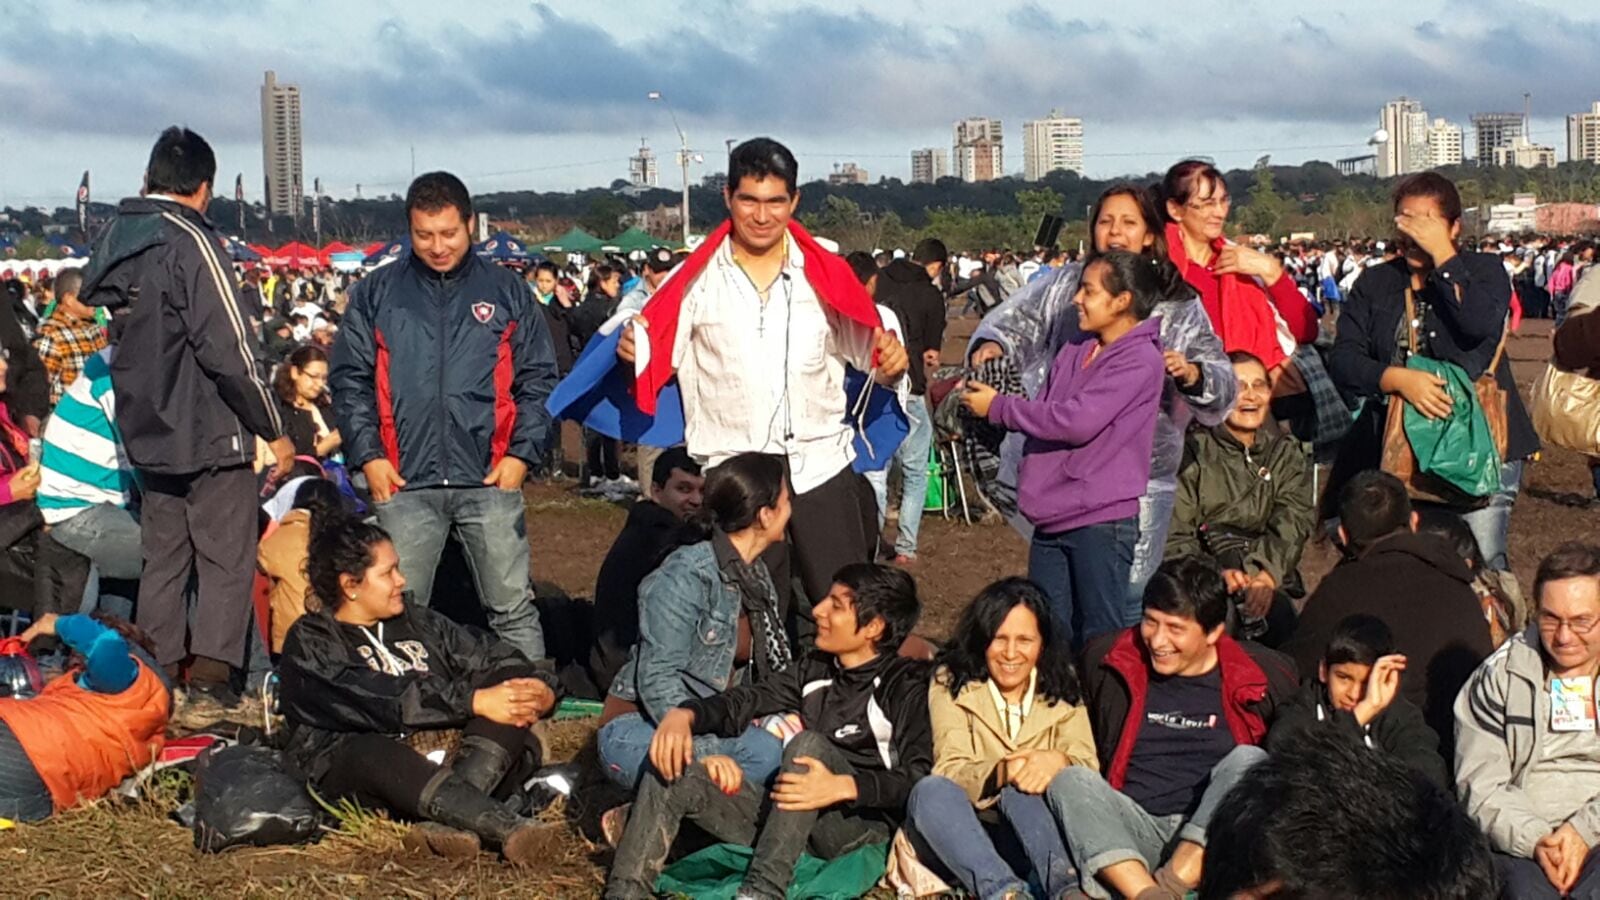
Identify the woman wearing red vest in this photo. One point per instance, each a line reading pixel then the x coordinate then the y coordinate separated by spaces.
pixel 99 722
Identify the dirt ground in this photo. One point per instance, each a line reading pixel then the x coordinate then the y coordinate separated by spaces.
pixel 133 850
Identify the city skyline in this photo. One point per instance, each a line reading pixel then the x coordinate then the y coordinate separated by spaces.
pixel 841 83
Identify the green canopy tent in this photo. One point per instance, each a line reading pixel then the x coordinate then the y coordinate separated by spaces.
pixel 575 241
pixel 633 239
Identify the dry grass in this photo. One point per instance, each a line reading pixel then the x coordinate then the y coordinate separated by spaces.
pixel 132 849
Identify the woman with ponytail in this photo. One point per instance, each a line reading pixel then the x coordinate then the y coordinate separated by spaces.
pixel 709 618
pixel 1199 387
pixel 282 554
pixel 363 673
pixel 1089 436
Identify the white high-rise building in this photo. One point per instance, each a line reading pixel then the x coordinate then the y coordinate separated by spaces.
pixel 978 150
pixel 1406 149
pixel 642 170
pixel 1051 144
pixel 1444 144
pixel 1583 135
pixel 929 165
pixel 280 146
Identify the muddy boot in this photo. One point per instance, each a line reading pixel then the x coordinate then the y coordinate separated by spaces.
pixel 449 801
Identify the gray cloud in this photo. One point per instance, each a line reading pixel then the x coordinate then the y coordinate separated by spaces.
pixel 544 73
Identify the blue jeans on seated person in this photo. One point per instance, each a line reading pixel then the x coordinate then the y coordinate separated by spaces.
pixel 1104 826
pixel 624 744
pixel 108 535
pixel 950 838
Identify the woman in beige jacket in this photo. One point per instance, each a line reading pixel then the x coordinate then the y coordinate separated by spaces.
pixel 1007 717
pixel 281 555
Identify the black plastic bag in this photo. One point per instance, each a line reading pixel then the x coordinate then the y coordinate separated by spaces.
pixel 249 796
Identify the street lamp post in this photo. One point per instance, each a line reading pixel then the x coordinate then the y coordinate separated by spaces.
pixel 684 157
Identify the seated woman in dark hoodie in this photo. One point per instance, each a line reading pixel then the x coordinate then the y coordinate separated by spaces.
pixel 364 672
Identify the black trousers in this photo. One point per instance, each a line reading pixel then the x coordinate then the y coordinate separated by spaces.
pixel 830 526
pixel 59 577
pixel 376 770
pixel 201 524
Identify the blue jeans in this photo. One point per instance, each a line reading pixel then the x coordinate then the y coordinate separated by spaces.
pixel 1155 522
pixel 1490 523
pixel 491 525
pixel 913 459
pixel 941 820
pixel 1084 572
pixel 1105 826
pixel 1558 307
pixel 624 744
pixel 108 535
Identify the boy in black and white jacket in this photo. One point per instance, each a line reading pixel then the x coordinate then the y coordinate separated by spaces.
pixel 845 777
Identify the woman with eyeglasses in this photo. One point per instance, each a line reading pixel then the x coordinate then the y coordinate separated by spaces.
pixel 1254 305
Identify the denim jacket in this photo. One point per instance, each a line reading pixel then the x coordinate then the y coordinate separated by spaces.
pixel 688 632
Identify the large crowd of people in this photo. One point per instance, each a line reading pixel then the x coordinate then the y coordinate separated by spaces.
pixel 215 483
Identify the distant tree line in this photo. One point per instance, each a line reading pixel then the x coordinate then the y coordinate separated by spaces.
pixel 1273 200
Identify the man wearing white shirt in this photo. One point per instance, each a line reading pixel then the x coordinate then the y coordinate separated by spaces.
pixel 760 361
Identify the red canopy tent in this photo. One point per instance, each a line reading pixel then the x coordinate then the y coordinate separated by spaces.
pixel 325 255
pixel 267 254
pixel 374 247
pixel 299 255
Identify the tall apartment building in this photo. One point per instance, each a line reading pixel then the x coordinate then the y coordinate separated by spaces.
pixel 979 149
pixel 1494 131
pixel 642 171
pixel 929 165
pixel 1406 150
pixel 280 146
pixel 1583 135
pixel 1444 144
pixel 1051 144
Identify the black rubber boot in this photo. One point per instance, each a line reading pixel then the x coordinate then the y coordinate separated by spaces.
pixel 470 815
pixel 481 763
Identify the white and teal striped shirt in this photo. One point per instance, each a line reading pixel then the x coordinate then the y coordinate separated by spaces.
pixel 82 463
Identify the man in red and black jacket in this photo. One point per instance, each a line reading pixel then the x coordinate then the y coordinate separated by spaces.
pixel 439 380
pixel 1179 712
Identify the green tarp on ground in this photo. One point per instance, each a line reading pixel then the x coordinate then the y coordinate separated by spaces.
pixel 715 872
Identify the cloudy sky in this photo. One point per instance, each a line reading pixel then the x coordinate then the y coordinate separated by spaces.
pixel 553 95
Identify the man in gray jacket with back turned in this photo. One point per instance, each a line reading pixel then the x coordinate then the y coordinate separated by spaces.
pixel 190 405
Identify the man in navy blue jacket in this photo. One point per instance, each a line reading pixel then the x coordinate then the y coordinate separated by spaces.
pixel 439 380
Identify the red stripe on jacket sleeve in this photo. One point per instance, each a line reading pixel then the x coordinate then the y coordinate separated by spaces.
pixel 505 408
pixel 387 434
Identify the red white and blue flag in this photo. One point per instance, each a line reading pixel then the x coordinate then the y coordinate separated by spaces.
pixel 647 407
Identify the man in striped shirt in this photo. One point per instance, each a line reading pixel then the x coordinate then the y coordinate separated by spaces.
pixel 85 486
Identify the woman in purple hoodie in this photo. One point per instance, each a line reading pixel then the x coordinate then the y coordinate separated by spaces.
pixel 1089 434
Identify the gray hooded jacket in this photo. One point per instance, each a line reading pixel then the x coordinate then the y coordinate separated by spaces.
pixel 1502 717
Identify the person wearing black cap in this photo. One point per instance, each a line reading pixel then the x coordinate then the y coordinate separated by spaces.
pixel 909 289
pixel 658 264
